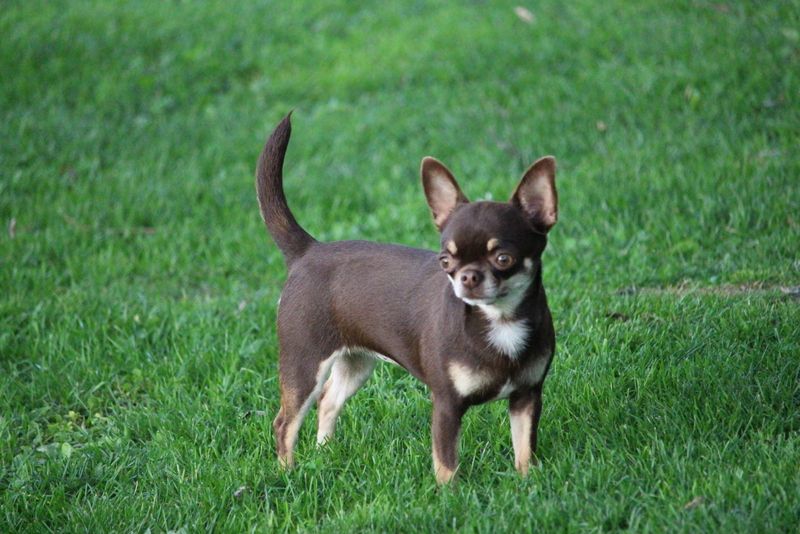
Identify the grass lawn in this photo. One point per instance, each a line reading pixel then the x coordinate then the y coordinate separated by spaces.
pixel 138 287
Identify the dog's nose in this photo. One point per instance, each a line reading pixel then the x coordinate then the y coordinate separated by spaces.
pixel 471 278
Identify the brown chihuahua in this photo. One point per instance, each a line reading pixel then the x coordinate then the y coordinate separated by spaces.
pixel 471 322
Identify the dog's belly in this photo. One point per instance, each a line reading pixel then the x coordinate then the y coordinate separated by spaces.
pixel 378 356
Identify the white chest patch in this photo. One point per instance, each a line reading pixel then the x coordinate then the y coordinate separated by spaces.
pixel 509 337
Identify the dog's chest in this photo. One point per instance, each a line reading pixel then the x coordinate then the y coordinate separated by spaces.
pixel 469 380
pixel 508 337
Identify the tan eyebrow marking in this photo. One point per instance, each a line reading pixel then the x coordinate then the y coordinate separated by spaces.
pixel 451 247
pixel 492 244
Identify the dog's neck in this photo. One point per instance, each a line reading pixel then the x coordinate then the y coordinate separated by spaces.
pixel 511 321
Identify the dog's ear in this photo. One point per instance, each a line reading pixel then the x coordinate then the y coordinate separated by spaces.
pixel 441 190
pixel 536 194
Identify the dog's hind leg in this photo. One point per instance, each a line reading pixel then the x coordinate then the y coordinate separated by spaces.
pixel 300 387
pixel 349 372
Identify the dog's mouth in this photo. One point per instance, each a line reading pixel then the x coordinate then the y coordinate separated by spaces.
pixel 484 299
pixel 489 293
pixel 485 294
pixel 480 302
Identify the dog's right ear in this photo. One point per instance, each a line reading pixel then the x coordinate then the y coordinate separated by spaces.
pixel 441 190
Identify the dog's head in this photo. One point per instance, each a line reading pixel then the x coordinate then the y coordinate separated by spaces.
pixel 490 250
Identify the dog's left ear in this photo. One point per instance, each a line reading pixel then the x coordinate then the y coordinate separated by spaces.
pixel 441 190
pixel 536 194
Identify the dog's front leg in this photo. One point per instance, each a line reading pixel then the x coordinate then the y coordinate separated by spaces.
pixel 524 409
pixel 447 415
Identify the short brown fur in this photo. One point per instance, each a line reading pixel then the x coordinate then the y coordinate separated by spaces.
pixel 484 310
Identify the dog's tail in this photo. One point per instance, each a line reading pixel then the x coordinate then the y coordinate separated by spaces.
pixel 290 237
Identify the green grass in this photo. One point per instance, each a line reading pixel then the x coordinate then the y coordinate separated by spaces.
pixel 137 292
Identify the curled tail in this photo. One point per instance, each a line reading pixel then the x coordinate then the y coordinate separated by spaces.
pixel 287 233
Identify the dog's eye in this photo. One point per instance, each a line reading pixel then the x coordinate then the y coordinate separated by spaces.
pixel 504 261
pixel 444 261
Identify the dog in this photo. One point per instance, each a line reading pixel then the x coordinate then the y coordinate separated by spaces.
pixel 471 322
